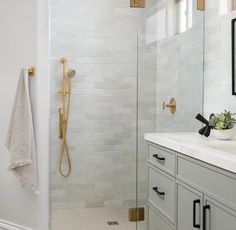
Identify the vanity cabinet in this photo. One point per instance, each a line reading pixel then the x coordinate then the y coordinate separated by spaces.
pixel 162 192
pixel 217 216
pixel 189 208
pixel 161 189
pixel 197 211
pixel 188 194
pixel 157 222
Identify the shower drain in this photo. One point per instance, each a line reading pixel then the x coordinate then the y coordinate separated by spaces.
pixel 111 223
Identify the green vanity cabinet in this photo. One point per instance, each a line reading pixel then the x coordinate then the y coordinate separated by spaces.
pixel 188 194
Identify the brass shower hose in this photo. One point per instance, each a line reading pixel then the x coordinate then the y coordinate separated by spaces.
pixel 63 120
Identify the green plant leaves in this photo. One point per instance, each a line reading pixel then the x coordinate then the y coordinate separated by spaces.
pixel 223 120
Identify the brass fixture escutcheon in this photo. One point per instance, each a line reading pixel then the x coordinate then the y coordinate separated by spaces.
pixel 171 105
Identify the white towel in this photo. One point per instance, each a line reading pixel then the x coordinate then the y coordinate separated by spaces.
pixel 20 139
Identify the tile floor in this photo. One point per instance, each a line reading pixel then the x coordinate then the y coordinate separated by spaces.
pixel 93 219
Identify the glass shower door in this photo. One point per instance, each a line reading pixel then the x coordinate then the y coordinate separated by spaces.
pixel 99 41
pixel 170 54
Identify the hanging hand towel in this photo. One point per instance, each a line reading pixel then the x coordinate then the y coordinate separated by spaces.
pixel 20 138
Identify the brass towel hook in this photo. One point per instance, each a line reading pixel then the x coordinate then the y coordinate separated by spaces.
pixel 31 71
pixel 171 105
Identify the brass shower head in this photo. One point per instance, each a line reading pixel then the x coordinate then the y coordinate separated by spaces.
pixel 63 60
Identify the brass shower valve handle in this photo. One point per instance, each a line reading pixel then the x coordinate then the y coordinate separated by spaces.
pixel 171 105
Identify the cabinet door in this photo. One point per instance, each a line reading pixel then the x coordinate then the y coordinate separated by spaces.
pixel 156 222
pixel 217 216
pixel 189 208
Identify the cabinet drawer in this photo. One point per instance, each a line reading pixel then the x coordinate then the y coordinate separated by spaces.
pixel 213 181
pixel 162 192
pixel 162 158
pixel 156 222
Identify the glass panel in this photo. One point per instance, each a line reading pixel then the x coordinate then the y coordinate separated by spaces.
pixel 170 65
pixel 99 40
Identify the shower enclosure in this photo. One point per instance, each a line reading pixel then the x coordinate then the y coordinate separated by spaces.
pixel 129 61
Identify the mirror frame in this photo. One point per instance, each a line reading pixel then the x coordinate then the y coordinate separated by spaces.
pixel 233 24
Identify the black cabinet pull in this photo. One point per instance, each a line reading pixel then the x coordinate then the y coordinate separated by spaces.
pixel 158 158
pixel 205 208
pixel 155 189
pixel 195 202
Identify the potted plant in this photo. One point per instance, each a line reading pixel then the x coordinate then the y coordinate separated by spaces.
pixel 223 125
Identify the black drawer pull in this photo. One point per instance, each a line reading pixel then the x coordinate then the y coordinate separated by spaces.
pixel 195 202
pixel 158 158
pixel 155 189
pixel 205 208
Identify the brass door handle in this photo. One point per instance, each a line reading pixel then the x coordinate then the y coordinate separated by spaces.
pixel 171 105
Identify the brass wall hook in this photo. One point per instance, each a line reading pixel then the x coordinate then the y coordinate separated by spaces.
pixel 31 71
pixel 171 105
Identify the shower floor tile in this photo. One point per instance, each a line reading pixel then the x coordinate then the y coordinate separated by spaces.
pixel 93 219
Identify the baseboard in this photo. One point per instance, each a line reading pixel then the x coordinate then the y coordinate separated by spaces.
pixel 5 225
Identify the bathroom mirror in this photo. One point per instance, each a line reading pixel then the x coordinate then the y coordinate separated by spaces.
pixel 233 57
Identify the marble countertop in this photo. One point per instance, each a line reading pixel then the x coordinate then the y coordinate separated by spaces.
pixel 210 150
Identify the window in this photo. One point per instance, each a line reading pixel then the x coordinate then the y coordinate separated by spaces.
pixel 156 24
pixel 183 14
pixel 225 6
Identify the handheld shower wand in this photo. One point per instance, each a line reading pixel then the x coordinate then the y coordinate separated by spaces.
pixel 64 111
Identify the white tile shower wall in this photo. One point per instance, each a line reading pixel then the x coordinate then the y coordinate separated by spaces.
pixel 99 38
pixel 217 90
pixel 180 75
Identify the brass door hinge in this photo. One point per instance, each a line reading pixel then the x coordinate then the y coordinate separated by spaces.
pixel 136 214
pixel 137 3
pixel 201 5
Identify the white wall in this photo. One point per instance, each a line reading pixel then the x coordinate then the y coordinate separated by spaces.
pixel 20 40
pixel 217 90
